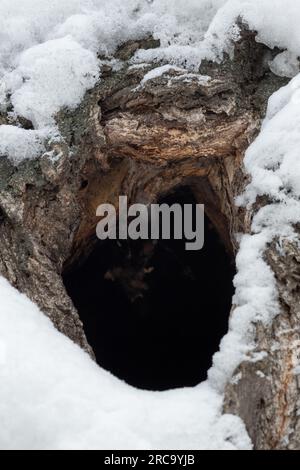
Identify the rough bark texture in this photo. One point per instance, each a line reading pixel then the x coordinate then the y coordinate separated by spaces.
pixel 144 141
pixel 266 396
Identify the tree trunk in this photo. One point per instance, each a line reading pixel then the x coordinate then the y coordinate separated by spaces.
pixel 144 141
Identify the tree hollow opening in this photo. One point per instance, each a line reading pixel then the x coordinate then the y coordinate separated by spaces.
pixel 153 312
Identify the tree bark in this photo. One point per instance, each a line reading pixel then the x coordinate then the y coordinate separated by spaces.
pixel 144 141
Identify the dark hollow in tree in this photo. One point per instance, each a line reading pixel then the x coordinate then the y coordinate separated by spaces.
pixel 153 312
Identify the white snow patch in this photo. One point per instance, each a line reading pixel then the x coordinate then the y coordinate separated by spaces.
pixel 236 378
pixel 51 76
pixel 52 395
pixel 272 162
pixel 297 370
pixel 258 356
pixel 158 72
pixel 19 144
pixel 260 374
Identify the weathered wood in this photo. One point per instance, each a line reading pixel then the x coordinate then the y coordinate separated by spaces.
pixel 144 141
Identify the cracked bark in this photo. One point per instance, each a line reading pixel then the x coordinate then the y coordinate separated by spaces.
pixel 144 142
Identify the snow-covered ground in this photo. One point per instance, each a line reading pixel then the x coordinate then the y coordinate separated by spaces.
pixel 52 395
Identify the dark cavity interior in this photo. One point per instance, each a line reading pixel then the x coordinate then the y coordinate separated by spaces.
pixel 153 312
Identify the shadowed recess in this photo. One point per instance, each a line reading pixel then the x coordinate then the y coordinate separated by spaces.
pixel 153 312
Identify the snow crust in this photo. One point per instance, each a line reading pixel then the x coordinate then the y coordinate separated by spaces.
pixel 52 395
pixel 19 144
pixel 273 163
pixel 49 50
pixel 158 72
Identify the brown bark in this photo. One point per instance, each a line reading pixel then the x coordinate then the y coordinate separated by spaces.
pixel 144 141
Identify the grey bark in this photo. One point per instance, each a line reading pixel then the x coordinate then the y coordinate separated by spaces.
pixel 144 142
